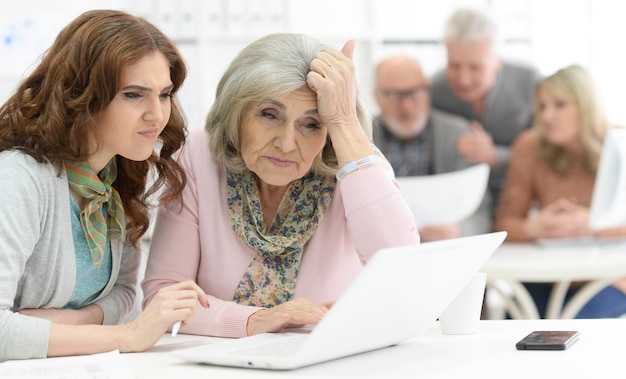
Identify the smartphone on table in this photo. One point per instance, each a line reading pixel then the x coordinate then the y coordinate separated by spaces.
pixel 548 340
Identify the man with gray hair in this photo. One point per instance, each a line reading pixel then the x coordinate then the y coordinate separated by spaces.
pixel 477 84
pixel 418 140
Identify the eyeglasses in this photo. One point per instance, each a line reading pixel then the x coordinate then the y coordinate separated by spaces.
pixel 412 94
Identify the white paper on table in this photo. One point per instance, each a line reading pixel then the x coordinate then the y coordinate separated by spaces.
pixel 445 198
pixel 96 366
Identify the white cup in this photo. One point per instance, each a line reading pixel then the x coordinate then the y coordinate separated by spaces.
pixel 462 316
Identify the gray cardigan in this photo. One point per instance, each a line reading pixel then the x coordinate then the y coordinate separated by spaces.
pixel 37 259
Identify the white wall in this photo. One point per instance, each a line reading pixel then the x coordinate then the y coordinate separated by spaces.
pixel 548 33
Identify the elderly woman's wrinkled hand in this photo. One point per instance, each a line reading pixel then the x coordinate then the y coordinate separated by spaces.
pixel 332 78
pixel 292 314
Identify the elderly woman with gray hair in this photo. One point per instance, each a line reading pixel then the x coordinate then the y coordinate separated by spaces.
pixel 286 196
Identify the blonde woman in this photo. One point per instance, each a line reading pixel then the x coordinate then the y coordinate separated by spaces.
pixel 553 168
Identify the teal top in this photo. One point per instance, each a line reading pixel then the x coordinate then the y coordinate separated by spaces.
pixel 90 281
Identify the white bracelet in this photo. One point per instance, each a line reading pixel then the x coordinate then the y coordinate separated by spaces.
pixel 356 165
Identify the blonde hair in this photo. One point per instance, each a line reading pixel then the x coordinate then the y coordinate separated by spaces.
pixel 270 67
pixel 576 83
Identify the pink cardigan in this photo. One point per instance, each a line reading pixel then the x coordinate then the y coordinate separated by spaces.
pixel 367 213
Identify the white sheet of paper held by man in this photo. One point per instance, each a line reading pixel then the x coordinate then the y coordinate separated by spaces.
pixel 445 198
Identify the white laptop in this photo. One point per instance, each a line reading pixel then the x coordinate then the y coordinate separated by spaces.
pixel 399 294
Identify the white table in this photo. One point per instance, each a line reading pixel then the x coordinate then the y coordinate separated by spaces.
pixel 514 263
pixel 490 353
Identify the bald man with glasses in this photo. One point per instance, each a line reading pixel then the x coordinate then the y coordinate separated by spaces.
pixel 419 140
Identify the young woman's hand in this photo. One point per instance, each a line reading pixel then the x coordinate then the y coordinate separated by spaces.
pixel 170 304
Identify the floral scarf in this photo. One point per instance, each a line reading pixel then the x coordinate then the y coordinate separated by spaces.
pixel 270 278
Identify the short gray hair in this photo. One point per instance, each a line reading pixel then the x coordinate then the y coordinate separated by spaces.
pixel 474 24
pixel 271 67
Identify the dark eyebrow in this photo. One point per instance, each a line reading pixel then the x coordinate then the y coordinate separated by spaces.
pixel 136 87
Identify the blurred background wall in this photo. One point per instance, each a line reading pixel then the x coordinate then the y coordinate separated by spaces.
pixel 548 33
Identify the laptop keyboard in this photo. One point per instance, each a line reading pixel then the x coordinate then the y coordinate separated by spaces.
pixel 276 347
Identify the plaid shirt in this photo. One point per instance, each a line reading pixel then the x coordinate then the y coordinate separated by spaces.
pixel 408 158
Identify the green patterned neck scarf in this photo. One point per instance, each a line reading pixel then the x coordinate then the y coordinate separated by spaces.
pixel 270 278
pixel 98 189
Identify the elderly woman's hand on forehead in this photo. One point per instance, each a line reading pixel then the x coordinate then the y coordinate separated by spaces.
pixel 332 78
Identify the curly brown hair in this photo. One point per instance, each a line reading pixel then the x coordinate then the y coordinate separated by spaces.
pixel 52 114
